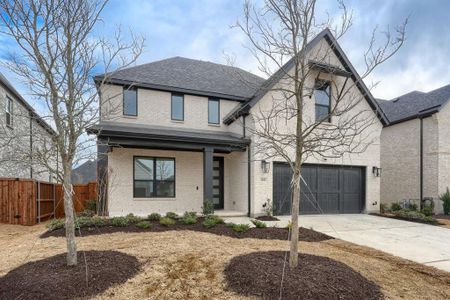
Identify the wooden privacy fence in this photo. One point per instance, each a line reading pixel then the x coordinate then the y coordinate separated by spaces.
pixel 28 202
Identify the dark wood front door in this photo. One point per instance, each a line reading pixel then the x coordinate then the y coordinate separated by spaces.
pixel 218 182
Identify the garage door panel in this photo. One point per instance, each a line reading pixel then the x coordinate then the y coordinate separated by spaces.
pixel 335 189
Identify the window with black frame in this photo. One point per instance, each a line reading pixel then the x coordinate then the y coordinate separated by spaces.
pixel 154 177
pixel 9 112
pixel 322 96
pixel 177 107
pixel 130 101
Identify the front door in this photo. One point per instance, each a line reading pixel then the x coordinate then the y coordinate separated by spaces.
pixel 218 182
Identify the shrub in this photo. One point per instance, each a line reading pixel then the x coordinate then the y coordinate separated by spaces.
pixel 289 225
pixel 119 221
pixel 91 205
pixel 86 213
pixel 240 227
pixel 189 218
pixel 171 215
pixel 211 221
pixel 154 217
pixel 207 208
pixel 167 221
pixel 56 224
pixel 268 208
pixel 415 216
pixel 143 225
pixel 427 211
pixel 395 206
pixel 412 206
pixel 445 197
pixel 259 224
pixel 89 222
pixel 132 219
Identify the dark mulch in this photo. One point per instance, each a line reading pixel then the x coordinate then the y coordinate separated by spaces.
pixel 316 277
pixel 392 216
pixel 269 233
pixel 445 217
pixel 267 218
pixel 51 278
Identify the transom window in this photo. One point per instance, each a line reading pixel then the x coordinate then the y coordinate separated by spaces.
pixel 322 96
pixel 213 111
pixel 154 177
pixel 177 107
pixel 129 101
pixel 9 112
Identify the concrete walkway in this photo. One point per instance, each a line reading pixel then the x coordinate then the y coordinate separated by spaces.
pixel 426 244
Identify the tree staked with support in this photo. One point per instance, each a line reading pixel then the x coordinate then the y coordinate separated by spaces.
pixel 295 47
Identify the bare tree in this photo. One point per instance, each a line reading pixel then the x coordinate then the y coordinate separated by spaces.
pixel 58 55
pixel 292 127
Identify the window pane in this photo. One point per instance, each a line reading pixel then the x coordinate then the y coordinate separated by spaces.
pixel 165 189
pixel 8 119
pixel 213 111
pixel 130 102
pixel 322 93
pixel 143 189
pixel 165 169
pixel 143 168
pixel 321 112
pixel 177 107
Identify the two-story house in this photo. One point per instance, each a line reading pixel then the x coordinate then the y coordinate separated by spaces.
pixel 415 147
pixel 22 134
pixel 173 133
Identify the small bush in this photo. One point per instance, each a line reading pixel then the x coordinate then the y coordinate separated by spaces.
pixel 143 225
pixel 289 225
pixel 395 206
pixel 154 217
pixel 259 224
pixel 383 208
pixel 240 227
pixel 427 211
pixel 91 205
pixel 412 206
pixel 415 216
pixel 445 197
pixel 56 224
pixel 207 208
pixel 189 218
pixel 171 215
pixel 211 221
pixel 86 213
pixel 167 221
pixel 119 221
pixel 132 219
pixel 89 222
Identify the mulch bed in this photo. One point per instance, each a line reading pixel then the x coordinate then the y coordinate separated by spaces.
pixel 269 233
pixel 267 218
pixel 444 217
pixel 51 278
pixel 316 277
pixel 392 216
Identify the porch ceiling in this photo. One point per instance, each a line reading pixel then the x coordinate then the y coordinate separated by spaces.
pixel 159 137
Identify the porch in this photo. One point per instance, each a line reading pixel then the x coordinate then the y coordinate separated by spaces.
pixel 200 165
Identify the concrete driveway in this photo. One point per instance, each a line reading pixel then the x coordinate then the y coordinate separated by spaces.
pixel 426 244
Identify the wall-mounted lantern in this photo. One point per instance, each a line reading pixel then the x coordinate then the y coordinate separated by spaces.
pixel 265 166
pixel 376 171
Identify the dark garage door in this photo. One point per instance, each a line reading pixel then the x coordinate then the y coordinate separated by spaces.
pixel 329 189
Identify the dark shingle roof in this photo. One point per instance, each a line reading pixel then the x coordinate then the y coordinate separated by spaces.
pixel 414 103
pixel 191 76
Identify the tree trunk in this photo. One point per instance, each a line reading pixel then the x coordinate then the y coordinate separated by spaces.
pixel 68 210
pixel 293 255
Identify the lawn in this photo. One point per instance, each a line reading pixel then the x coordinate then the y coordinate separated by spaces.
pixel 179 264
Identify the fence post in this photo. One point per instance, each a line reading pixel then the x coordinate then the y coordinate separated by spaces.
pixel 54 201
pixel 39 201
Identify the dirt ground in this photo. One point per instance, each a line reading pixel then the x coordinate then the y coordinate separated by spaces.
pixel 181 264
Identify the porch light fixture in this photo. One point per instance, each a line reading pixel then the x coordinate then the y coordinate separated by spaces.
pixel 265 166
pixel 376 171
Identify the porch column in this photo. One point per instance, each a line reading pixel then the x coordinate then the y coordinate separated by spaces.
pixel 208 174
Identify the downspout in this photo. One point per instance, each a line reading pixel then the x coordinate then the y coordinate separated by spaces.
pixel 248 170
pixel 421 162
pixel 31 145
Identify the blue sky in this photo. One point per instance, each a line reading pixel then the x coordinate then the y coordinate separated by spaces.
pixel 201 29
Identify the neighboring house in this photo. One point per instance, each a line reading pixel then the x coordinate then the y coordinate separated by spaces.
pixel 85 173
pixel 22 133
pixel 415 147
pixel 172 134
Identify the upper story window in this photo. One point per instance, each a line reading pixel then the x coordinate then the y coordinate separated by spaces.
pixel 177 107
pixel 154 177
pixel 129 101
pixel 9 112
pixel 213 111
pixel 322 96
